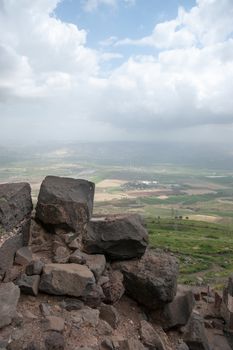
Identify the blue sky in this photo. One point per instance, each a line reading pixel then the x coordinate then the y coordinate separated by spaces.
pixel 124 20
pixel 116 70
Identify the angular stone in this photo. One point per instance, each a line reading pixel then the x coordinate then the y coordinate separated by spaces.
pixel 13 273
pixel 109 314
pixel 65 202
pixel 29 284
pixel 72 304
pixel 176 313
pixel 95 262
pixel 7 252
pixel 34 268
pixel 195 336
pixel 15 204
pixel 55 341
pixel 62 255
pixel 55 323
pixel 113 287
pixel 45 309
pixel 118 238
pixel 150 337
pixel 9 296
pixel 104 328
pixel 66 279
pixel 86 316
pixel 152 280
pixel 23 256
pixel 94 297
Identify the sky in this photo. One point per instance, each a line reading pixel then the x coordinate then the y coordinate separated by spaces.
pixel 143 70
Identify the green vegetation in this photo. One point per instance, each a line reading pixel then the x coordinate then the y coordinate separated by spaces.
pixel 204 249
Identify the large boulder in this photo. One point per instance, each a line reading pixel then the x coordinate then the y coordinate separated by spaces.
pixel 67 279
pixel 9 296
pixel 65 202
pixel 15 204
pixel 117 237
pixel 152 280
pixel 177 312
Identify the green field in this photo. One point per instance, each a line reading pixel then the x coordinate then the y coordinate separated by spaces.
pixel 204 246
pixel 205 250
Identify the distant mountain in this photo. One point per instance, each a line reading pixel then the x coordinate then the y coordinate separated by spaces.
pixel 125 153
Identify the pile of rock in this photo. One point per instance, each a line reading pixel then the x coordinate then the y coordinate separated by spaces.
pixel 90 263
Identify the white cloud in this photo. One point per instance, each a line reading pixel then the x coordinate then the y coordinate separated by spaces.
pixel 207 23
pixel 50 80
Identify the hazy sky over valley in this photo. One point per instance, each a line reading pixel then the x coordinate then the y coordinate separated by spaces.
pixel 116 70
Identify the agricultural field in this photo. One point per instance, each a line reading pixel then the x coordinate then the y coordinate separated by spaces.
pixel 188 210
pixel 204 250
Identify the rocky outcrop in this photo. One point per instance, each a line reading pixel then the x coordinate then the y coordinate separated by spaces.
pixel 15 204
pixel 9 296
pixel 152 280
pixel 66 279
pixel 65 202
pixel 118 238
pixel 87 267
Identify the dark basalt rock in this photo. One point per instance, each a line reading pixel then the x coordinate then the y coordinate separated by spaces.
pixel 117 237
pixel 15 204
pixel 152 280
pixel 65 202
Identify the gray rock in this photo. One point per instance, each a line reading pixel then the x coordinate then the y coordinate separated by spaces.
pixel 109 314
pixel 150 338
pixel 55 341
pixel 66 279
pixel 72 304
pixel 35 268
pixel 152 280
pixel 9 296
pixel 7 252
pixel 13 273
pixel 113 287
pixel 104 328
pixel 176 313
pixel 195 336
pixel 118 238
pixel 86 316
pixel 94 297
pixel 29 284
pixel 45 309
pixel 95 262
pixel 55 323
pixel 23 256
pixel 182 346
pixel 65 202
pixel 227 304
pixel 62 255
pixel 15 204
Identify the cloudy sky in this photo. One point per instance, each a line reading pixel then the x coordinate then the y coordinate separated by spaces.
pixel 116 70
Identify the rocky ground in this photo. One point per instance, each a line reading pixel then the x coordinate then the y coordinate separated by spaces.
pixel 70 281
